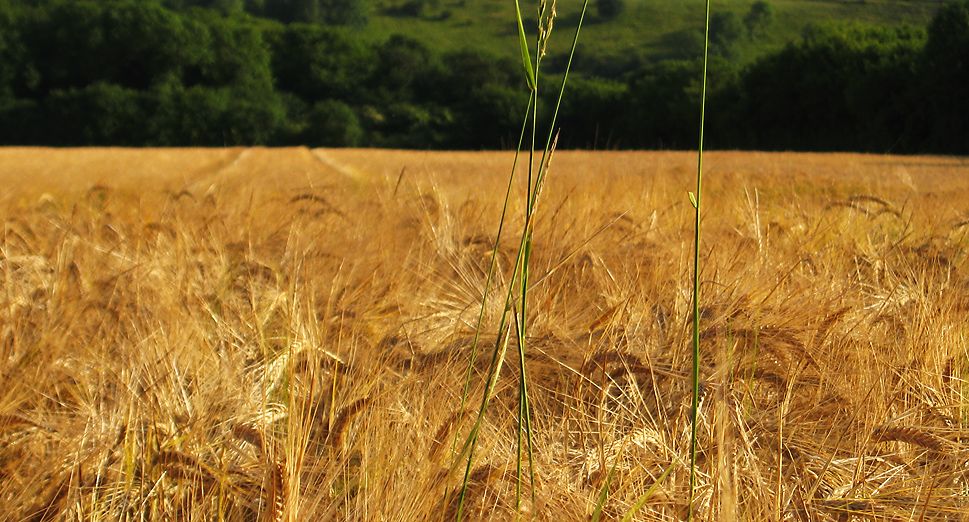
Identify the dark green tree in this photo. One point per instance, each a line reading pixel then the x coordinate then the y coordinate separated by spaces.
pixel 10 51
pixel 404 70
pixel 230 51
pixel 945 73
pixel 71 45
pixel 610 9
pixel 332 123
pixel 843 87
pixel 213 116
pixel 485 97
pixel 662 105
pixel 291 11
pixel 328 12
pixel 142 44
pixel 685 44
pixel 662 100
pixel 344 12
pixel 21 123
pixel 317 63
pixel 62 45
pixel 404 93
pixel 594 114
pixel 99 114
pixel 225 6
pixel 725 30
pixel 758 19
pixel 464 71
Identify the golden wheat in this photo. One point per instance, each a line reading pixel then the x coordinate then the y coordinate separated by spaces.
pixel 254 334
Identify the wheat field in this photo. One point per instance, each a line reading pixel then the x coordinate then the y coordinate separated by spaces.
pixel 283 334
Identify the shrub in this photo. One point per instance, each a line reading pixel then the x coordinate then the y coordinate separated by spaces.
pixel 610 9
pixel 332 123
pixel 758 19
pixel 99 114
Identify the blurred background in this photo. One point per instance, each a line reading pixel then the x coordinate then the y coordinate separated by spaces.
pixel 884 76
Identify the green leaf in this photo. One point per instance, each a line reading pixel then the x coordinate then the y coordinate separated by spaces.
pixel 693 199
pixel 649 492
pixel 526 61
pixel 597 514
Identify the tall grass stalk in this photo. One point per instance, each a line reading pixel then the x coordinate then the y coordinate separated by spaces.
pixel 696 200
pixel 520 272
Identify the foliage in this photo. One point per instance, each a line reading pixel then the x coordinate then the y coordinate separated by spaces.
pixel 686 44
pixel 483 93
pixel 9 52
pixel 233 53
pixel 98 114
pixel 74 44
pixel 663 99
pixel 590 112
pixel 414 8
pixel 212 116
pixel 450 25
pixel 343 12
pixel 843 86
pixel 758 19
pixel 225 6
pixel 725 30
pixel 945 75
pixel 316 63
pixel 328 12
pixel 609 9
pixel 332 123
pixel 404 69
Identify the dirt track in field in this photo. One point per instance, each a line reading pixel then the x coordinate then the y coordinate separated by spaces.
pixel 197 168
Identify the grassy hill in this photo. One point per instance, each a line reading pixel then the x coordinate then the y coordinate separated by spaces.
pixel 135 73
pixel 647 30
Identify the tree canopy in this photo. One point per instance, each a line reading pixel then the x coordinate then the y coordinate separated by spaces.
pixel 210 72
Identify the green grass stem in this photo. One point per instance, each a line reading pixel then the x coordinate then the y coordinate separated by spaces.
pixel 696 199
pixel 649 492
pixel 520 272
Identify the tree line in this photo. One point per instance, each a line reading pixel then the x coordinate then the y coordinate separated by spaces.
pixel 144 73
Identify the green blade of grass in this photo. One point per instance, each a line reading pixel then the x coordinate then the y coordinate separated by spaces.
pixel 604 494
pixel 520 271
pixel 498 354
pixel 649 492
pixel 524 417
pixel 526 60
pixel 491 273
pixel 565 76
pixel 696 199
pixel 498 358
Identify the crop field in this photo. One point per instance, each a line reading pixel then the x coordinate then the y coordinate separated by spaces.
pixel 258 334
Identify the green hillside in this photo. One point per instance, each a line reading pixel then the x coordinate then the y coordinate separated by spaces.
pixel 647 30
pixel 879 76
